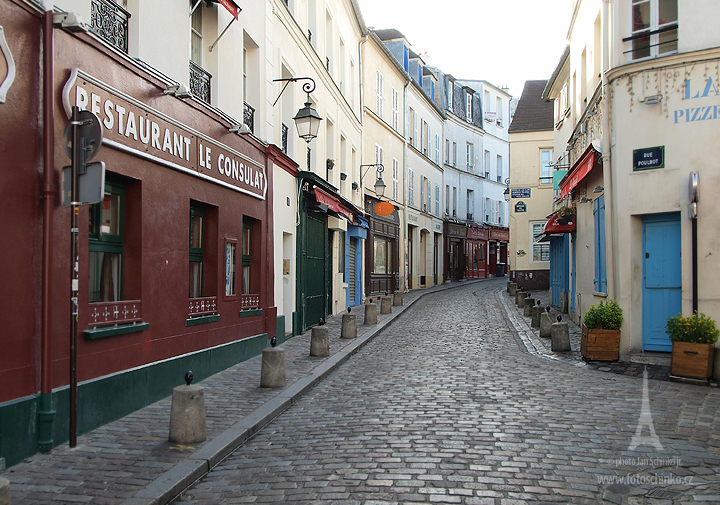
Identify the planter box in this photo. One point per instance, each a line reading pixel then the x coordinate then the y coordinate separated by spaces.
pixel 692 360
pixel 600 345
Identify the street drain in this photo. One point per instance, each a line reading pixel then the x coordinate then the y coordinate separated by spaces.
pixel 663 494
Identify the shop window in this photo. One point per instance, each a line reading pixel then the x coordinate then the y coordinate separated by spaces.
pixel 381 248
pixel 106 238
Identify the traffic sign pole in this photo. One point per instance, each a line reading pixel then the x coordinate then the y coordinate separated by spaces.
pixel 77 153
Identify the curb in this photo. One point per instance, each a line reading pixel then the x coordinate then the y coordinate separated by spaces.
pixel 184 474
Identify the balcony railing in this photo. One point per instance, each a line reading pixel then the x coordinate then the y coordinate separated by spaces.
pixel 202 306
pixel 108 313
pixel 200 82
pixel 249 301
pixel 284 138
pixel 110 22
pixel 249 117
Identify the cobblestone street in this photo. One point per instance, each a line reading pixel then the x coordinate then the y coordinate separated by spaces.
pixel 447 406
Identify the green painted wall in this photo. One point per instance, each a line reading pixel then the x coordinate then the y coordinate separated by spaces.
pixel 106 399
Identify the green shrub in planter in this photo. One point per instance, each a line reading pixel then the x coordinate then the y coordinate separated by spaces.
pixel 606 316
pixel 696 329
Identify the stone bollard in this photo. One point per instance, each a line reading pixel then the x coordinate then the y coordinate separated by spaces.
pixel 545 325
pixel 385 305
pixel 529 304
pixel 4 491
pixel 537 311
pixel 513 287
pixel 560 338
pixel 272 371
pixel 320 341
pixel 349 326
pixel 187 415
pixel 520 298
pixel 398 299
pixel 371 313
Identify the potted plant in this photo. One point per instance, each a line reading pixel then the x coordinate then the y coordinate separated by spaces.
pixel 601 332
pixel 693 345
pixel 566 215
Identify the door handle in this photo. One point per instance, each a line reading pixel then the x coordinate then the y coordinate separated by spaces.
pixel 647 255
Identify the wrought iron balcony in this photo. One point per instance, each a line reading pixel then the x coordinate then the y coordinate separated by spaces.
pixel 200 82
pixel 110 22
pixel 249 117
pixel 284 138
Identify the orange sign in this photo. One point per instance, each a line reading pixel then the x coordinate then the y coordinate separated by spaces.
pixel 384 209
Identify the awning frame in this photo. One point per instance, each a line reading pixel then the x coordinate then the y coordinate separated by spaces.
pixel 587 162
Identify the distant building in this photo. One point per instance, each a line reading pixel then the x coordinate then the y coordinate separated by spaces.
pixel 531 187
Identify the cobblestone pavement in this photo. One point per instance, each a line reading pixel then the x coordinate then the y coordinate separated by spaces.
pixel 447 406
pixel 112 463
pixel 541 346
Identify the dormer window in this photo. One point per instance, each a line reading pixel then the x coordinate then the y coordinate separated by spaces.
pixel 468 106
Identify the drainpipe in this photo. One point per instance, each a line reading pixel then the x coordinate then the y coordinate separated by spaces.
pixel 46 415
pixel 405 182
pixel 613 287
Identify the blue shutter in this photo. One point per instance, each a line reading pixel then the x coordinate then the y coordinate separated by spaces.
pixel 600 256
pixel 406 59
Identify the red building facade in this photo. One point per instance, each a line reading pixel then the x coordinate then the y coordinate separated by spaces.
pixel 175 263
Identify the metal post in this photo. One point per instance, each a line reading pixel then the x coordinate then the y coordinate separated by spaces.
pixel 694 265
pixel 74 278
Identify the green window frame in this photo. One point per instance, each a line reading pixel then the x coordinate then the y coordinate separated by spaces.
pixel 197 247
pixel 105 245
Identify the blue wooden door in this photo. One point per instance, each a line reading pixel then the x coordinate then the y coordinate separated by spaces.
pixel 662 278
pixel 559 259
pixel 572 272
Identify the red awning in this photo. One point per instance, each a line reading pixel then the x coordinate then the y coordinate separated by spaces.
pixel 552 226
pixel 578 171
pixel 333 203
pixel 231 7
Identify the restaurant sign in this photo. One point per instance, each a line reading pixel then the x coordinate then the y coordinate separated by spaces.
pixel 131 126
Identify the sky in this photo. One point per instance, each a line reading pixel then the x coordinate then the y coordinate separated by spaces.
pixel 504 42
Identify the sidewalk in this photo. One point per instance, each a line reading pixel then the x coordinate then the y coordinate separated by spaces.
pixel 541 346
pixel 131 462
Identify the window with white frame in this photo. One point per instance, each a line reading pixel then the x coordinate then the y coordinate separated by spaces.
pixel 423 181
pixel 540 250
pixel 447 199
pixel 654 28
pixel 378 154
pixel 395 108
pixel 411 187
pixel 395 170
pixel 429 196
pixel 196 34
pixel 469 155
pixel 487 164
pixel 450 94
pixel 437 200
pixel 546 156
pixel 470 205
pixel 468 106
pixel 454 154
pixel 379 93
pixel 447 151
pixel 411 128
pixel 437 149
pixel 498 111
pixel 499 168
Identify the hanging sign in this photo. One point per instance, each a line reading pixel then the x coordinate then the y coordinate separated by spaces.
pixel 384 208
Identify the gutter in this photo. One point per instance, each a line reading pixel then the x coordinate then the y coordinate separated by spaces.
pixel 46 415
pixel 606 148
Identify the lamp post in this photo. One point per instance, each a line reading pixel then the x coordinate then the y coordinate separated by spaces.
pixel 307 120
pixel 379 183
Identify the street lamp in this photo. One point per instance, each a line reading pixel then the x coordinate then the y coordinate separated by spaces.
pixel 307 120
pixel 379 183
pixel 506 193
